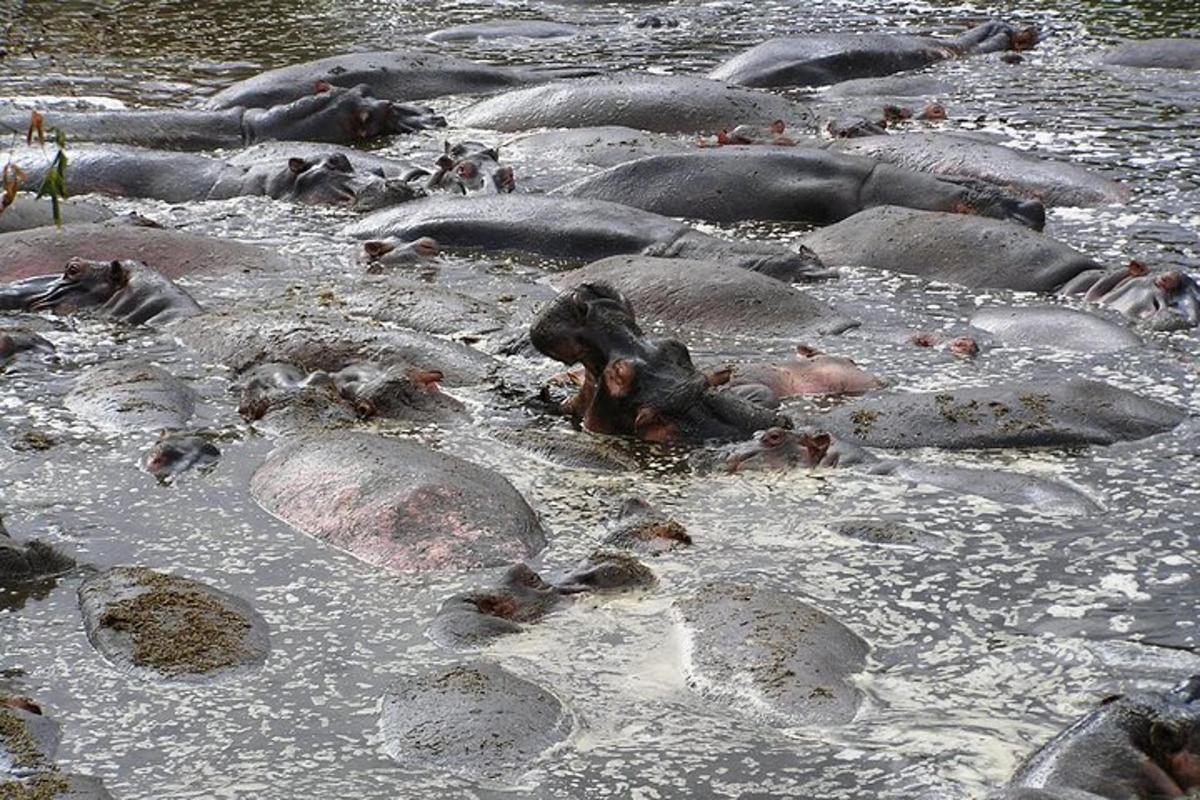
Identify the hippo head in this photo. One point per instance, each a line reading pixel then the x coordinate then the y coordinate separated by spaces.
pixel 634 385
pixel 84 284
pixel 335 114
pixel 380 253
pixel 776 448
pixel 1160 301
pixel 470 168
pixel 332 180
pixel 175 453
pixel 985 200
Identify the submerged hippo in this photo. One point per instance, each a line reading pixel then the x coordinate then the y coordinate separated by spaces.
pixel 15 342
pixel 126 291
pixel 572 228
pixel 1055 183
pixel 791 184
pixel 329 179
pixel 394 75
pixel 822 58
pixel 663 103
pixel 1038 414
pixel 175 453
pixel 1133 747
pixel 331 115
pixel 29 212
pixel 767 653
pixel 710 297
pixel 397 504
pixel 160 626
pixel 504 29
pixel 552 158
pixel 640 527
pixel 473 719
pixel 809 372
pixel 777 448
pixel 29 561
pixel 1156 53
pixel 28 741
pixel 1054 326
pixel 1159 301
pixel 131 396
pixel 634 385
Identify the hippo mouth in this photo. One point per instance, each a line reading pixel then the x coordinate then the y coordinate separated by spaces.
pixel 54 295
pixel 21 295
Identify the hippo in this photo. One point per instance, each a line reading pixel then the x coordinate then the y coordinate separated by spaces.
pixel 28 741
pixel 175 453
pixel 567 449
pixel 328 179
pixel 28 212
pixel 549 159
pixel 809 372
pixel 770 654
pixel 15 342
pixel 711 298
pixel 55 786
pixel 41 251
pixel 332 114
pixel 426 307
pixel 131 396
pixel 124 291
pixel 777 448
pixel 659 103
pixel 158 626
pixel 1132 747
pixel 641 528
pixel 1048 413
pixel 469 167
pixel 504 29
pixel 636 386
pixel 30 561
pixel 396 504
pixel 823 58
pixel 1054 326
pixel 1162 301
pixel 473 719
pixel 1181 54
pixel 900 86
pixel 798 184
pixel 1055 183
pixel 886 533
pixel 572 228
pixel 379 256
pixel 394 75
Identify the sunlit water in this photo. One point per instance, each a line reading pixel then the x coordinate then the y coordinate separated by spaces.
pixel 985 642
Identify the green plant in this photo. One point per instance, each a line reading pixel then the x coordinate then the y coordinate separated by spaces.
pixel 54 185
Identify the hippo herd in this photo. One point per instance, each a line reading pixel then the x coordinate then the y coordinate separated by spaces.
pixel 596 218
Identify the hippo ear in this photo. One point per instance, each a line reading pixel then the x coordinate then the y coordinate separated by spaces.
pixel 816 446
pixel 805 351
pixel 377 248
pixel 426 377
pixel 1137 269
pixel 117 274
pixel 321 87
pixel 778 127
pixel 619 377
pixel 1166 738
pixel 297 165
pixel 719 377
pixel 651 426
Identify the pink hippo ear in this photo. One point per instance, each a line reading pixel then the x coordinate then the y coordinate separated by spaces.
pixel 1137 269
pixel 1169 282
pixel 117 274
pixel 618 377
pixel 297 165
pixel 377 248
pixel 430 378
pixel 321 87
pixel 651 426
pixel 804 351
pixel 815 447
pixel 777 127
pixel 719 377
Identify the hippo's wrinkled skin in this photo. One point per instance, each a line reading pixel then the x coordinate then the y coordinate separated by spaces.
pixel 1156 53
pixel 646 388
pixel 334 115
pixel 127 291
pixel 166 627
pixel 640 527
pixel 1158 301
pixel 324 179
pixel 572 228
pixel 777 448
pixel 396 504
pixel 809 372
pixel 173 253
pixel 131 396
pixel 970 250
pixel 822 58
pixel 28 212
pixel 663 103
pixel 1054 326
pixel 1134 747
pixel 474 719
pixel 29 561
pixel 766 652
pixel 394 75
pixel 176 453
pixel 791 184
pixel 1055 183
pixel 711 297
pixel 504 29
pixel 1039 414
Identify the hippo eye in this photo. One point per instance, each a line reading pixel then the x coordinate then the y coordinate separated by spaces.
pixel 773 437
pixel 74 270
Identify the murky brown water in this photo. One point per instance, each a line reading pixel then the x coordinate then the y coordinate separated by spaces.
pixel 982 647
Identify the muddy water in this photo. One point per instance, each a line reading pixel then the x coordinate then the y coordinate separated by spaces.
pixel 1002 626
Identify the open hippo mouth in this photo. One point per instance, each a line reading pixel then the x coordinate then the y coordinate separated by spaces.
pixel 83 283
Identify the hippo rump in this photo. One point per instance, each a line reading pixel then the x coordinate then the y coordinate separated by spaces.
pixel 634 385
pixel 1038 414
pixel 572 228
pixel 1156 53
pixel 823 58
pixel 504 29
pixel 44 251
pixel 166 627
pixel 768 653
pixel 323 179
pixel 790 184
pixel 709 297
pixel 473 719
pixel 28 212
pixel 331 115
pixel 125 291
pixel 130 397
pixel 394 75
pixel 662 103
pixel 1132 747
pixel 397 504
pixel 1055 183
